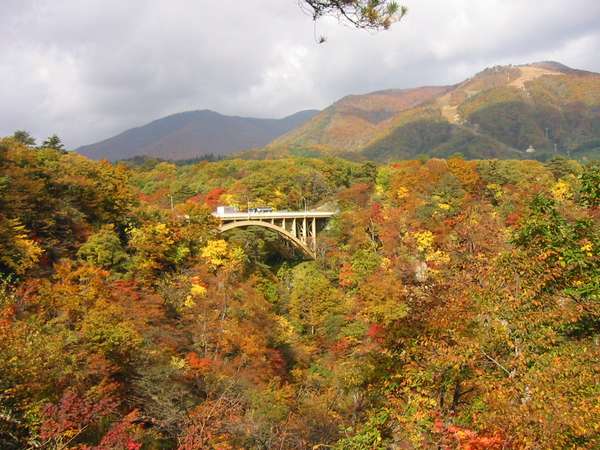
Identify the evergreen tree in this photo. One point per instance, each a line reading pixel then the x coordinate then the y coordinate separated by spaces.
pixel 53 142
pixel 24 138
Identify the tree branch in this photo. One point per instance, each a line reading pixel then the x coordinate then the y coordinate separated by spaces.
pixel 510 374
pixel 365 14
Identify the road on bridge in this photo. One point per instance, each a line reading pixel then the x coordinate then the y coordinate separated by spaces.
pixel 244 215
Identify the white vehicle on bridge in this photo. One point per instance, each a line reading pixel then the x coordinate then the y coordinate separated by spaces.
pixel 221 210
pixel 260 209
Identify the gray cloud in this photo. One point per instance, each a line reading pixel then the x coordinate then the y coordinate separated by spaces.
pixel 87 69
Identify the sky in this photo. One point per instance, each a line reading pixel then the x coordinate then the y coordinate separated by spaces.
pixel 89 69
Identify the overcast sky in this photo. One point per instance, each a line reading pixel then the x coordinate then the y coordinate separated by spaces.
pixel 88 69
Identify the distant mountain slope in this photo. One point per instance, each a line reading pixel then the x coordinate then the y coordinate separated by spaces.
pixel 195 133
pixel 354 120
pixel 498 113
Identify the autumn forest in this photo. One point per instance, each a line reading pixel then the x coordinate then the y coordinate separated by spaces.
pixel 452 304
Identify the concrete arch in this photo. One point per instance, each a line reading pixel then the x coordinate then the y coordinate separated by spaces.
pixel 283 232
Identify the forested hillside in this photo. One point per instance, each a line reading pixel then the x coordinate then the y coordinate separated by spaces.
pixel 498 113
pixel 453 304
pixel 193 134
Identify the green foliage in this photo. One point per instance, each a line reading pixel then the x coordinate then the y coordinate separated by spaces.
pixel 54 143
pixel 371 436
pixel 522 123
pixel 364 263
pixel 435 138
pixel 366 173
pixel 24 138
pixel 312 299
pixel 515 123
pixel 562 167
pixel 569 249
pixel 409 140
pixel 590 185
pixel 104 249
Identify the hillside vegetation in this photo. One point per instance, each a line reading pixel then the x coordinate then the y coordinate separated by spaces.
pixel 499 113
pixel 453 304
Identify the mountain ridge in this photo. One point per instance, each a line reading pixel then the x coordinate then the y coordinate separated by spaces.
pixel 499 112
pixel 191 134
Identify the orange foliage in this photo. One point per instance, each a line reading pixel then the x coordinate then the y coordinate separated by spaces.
pixel 357 194
pixel 346 276
pixel 198 364
pixel 212 197
pixel 465 172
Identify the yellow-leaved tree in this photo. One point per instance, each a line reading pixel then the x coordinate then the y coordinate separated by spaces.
pixel 222 256
pixel 18 253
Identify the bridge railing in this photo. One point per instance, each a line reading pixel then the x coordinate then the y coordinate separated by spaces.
pixel 274 214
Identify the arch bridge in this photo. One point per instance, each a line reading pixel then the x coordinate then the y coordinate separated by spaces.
pixel 299 228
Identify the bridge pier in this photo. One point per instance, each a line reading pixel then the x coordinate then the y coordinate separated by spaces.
pixel 314 234
pixel 304 230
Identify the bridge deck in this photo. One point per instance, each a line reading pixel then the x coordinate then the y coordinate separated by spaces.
pixel 274 215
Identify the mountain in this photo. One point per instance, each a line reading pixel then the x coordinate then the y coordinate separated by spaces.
pixel 192 134
pixel 354 120
pixel 498 113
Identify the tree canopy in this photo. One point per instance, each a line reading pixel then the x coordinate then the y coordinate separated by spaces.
pixel 452 304
pixel 24 138
pixel 53 142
